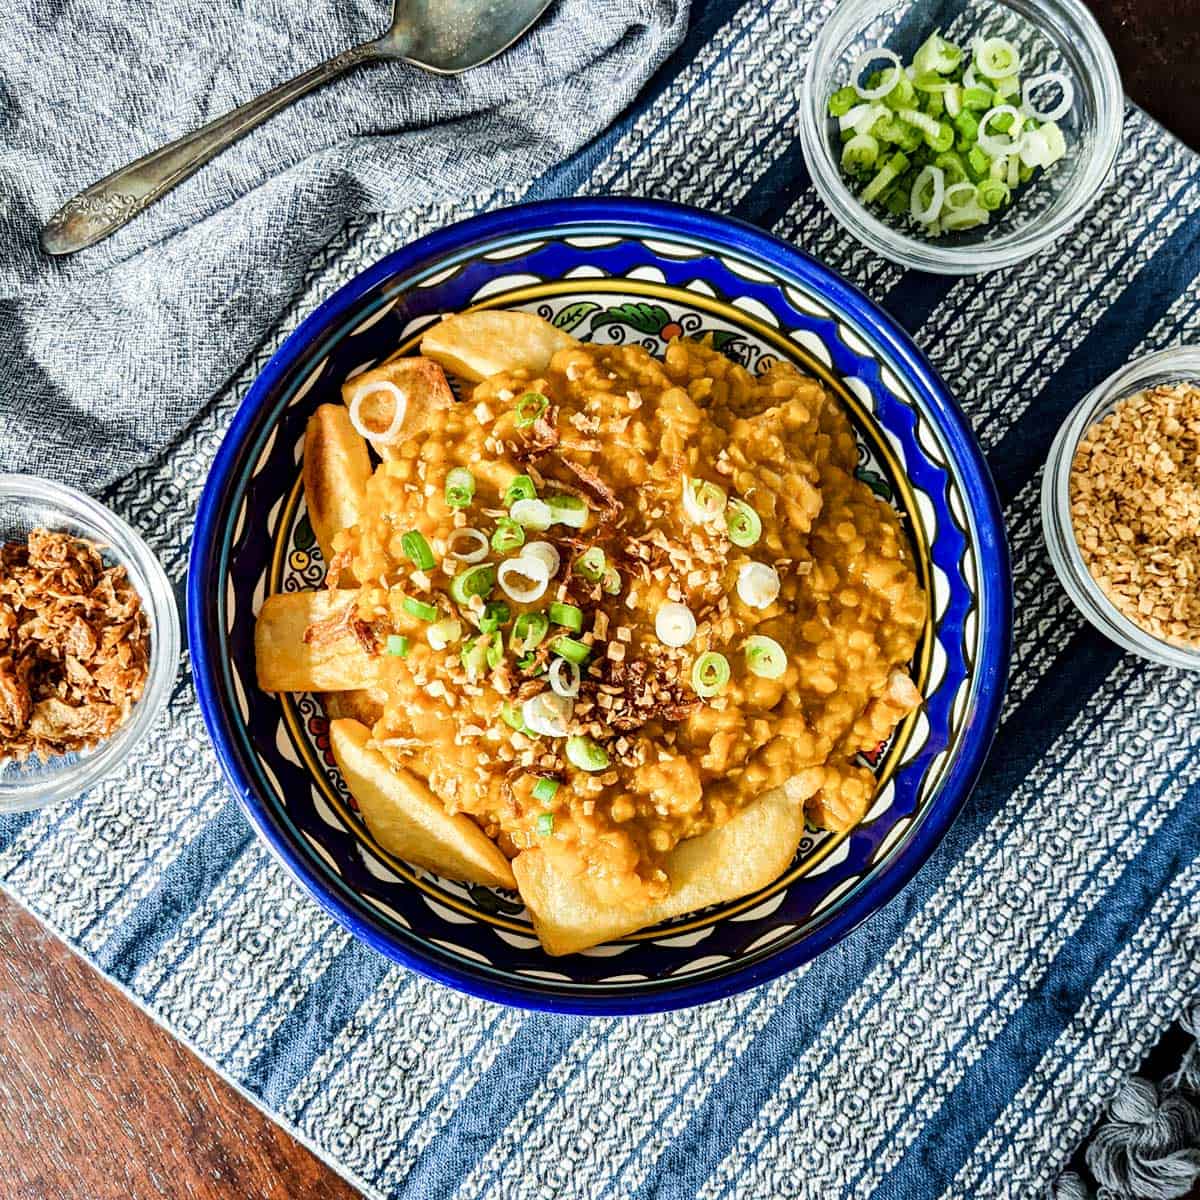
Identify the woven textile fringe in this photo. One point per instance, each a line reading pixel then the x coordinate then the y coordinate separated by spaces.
pixel 1148 1145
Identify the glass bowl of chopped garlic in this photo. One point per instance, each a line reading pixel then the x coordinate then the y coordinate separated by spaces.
pixel 965 139
pixel 1121 507
pixel 89 642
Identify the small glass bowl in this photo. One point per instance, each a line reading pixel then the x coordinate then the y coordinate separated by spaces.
pixel 26 503
pixel 1178 365
pixel 1052 35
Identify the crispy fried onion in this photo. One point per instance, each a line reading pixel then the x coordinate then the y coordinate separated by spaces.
pixel 74 646
pixel 338 624
pixel 640 693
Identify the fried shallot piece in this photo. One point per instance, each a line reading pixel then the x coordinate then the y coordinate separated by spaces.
pixel 74 646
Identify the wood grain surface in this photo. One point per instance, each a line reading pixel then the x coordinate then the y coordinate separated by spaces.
pixel 1157 44
pixel 98 1103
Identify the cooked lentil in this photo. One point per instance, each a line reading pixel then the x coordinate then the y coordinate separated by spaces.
pixel 849 612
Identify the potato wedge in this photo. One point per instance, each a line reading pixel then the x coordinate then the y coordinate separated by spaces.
pixel 745 854
pixel 407 819
pixel 364 705
pixel 336 469
pixel 475 345
pixel 285 662
pixel 426 396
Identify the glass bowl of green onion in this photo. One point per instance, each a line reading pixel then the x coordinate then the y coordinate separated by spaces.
pixel 960 138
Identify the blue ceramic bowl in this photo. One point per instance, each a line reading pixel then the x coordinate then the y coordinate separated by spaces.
pixel 612 271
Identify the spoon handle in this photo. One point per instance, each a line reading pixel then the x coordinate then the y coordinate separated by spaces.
pixel 107 205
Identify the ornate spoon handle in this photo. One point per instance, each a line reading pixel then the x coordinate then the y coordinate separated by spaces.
pixel 105 206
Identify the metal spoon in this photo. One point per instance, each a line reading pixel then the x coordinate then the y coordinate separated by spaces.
pixel 442 36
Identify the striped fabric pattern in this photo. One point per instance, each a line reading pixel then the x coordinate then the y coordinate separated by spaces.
pixel 961 1042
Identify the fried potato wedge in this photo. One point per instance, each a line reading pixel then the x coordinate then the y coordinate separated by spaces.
pixel 741 856
pixel 427 396
pixel 334 661
pixel 407 819
pixel 336 469
pixel 475 345
pixel 362 704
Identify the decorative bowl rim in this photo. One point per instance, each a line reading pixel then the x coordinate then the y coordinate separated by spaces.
pixel 644 216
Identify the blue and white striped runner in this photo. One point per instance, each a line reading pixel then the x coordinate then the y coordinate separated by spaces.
pixel 959 1044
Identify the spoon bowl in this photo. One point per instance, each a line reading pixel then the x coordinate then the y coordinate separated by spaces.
pixel 448 37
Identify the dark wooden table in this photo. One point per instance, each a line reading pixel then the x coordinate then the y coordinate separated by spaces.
pixel 98 1103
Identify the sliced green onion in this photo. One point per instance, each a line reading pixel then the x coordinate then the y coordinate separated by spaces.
pixel 473 656
pixel 495 652
pixel 495 613
pixel 880 82
pixel 591 564
pixel 456 545
pixel 887 174
pixel 397 645
pixel 567 510
pixel 545 790
pixel 674 624
pixel 703 501
pixel 978 163
pixel 860 153
pixel 842 101
pixel 528 631
pixel 936 55
pixel 952 168
pixel 416 550
pixel 419 609
pixel 931 85
pixel 545 821
pixel 520 488
pixel 568 686
pixel 977 99
pixel 1002 115
pixel 887 130
pixel 460 488
pixel 573 651
pixel 1056 142
pixel 612 581
pixel 997 58
pixel 918 120
pixel 973 106
pixel 531 514
pixel 548 714
pixel 923 208
pixel 710 674
pixel 765 657
pixel 523 579
pixel 1065 101
pixel 545 553
pixel 474 581
pixel 586 754
pixel 566 615
pixel 938 135
pixel 508 536
pixel 743 523
pixel 902 95
pixel 529 407
pixel 510 714
pixel 993 194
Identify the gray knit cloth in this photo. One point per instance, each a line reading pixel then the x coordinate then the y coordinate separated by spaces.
pixel 107 355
